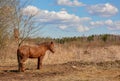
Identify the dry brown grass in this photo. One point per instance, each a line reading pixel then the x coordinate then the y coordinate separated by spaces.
pixel 70 62
pixel 65 53
pixel 70 71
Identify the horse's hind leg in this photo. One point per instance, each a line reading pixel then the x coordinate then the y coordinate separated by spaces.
pixel 22 69
pixel 22 64
pixel 18 58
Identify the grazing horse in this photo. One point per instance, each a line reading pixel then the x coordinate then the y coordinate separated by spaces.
pixel 37 51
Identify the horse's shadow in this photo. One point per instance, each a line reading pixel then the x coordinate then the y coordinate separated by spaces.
pixel 14 71
pixel 7 69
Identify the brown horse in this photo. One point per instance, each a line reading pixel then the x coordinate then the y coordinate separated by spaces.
pixel 37 51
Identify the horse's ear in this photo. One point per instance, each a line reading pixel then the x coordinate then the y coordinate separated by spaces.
pixel 51 42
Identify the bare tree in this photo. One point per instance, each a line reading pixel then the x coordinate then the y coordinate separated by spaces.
pixel 5 21
pixel 16 34
pixel 13 19
pixel 24 25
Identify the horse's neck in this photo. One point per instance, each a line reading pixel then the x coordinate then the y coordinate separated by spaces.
pixel 45 47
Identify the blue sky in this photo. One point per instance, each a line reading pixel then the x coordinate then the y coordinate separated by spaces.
pixel 68 18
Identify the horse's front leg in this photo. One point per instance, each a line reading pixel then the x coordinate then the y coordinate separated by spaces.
pixel 39 66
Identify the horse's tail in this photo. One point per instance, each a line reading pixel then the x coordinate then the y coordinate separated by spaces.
pixel 18 58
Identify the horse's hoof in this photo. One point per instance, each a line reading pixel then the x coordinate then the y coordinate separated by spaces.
pixel 21 71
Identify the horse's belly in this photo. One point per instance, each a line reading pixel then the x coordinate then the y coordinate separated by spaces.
pixel 34 55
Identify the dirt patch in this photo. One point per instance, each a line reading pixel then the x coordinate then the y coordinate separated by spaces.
pixel 71 71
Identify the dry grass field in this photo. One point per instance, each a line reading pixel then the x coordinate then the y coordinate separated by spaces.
pixel 70 71
pixel 68 63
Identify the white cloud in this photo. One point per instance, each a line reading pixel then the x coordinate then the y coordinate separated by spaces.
pixel 115 25
pixel 62 19
pixel 104 10
pixel 97 23
pixel 83 28
pixel 62 27
pixel 30 10
pixel 70 3
pixel 111 25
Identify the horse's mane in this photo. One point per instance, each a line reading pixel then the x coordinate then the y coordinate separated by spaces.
pixel 44 43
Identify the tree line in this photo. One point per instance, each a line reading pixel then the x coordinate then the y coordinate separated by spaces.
pixel 103 37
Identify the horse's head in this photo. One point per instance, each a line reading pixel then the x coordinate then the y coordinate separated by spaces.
pixel 51 47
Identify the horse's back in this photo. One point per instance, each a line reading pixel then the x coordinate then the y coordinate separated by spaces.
pixel 31 51
pixel 34 51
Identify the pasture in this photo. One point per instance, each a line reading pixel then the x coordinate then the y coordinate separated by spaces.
pixel 70 62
